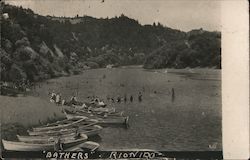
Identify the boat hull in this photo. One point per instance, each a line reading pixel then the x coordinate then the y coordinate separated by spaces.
pixel 89 131
pixel 22 146
pixel 30 139
pixel 86 146
pixel 103 120
pixel 59 125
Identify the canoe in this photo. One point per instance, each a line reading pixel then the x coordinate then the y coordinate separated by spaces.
pixel 86 146
pixel 60 124
pixel 102 120
pixel 89 131
pixel 41 138
pixel 22 146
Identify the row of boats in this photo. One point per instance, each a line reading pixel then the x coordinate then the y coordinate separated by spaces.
pixel 71 134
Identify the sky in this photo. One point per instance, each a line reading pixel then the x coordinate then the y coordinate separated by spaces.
pixel 184 15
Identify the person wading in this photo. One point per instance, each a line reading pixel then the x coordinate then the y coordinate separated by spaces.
pixel 131 98
pixel 125 98
pixel 173 94
pixel 139 97
pixel 118 99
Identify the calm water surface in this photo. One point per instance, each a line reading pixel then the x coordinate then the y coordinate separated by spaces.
pixel 192 121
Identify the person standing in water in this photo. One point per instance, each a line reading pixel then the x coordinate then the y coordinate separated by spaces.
pixel 173 95
pixel 139 97
pixel 131 98
pixel 125 98
pixel 118 99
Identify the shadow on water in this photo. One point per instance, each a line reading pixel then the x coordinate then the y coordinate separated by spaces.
pixel 95 138
pixel 124 126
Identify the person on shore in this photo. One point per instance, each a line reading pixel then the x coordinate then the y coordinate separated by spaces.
pixel 73 100
pixel 101 103
pixel 78 134
pixel 139 97
pixel 63 102
pixel 58 99
pixel 53 96
pixel 84 106
pixel 58 144
pixel 131 98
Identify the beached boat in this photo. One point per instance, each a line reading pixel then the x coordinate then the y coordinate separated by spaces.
pixel 102 120
pixel 83 124
pixel 52 132
pixel 22 146
pixel 46 138
pixel 86 146
pixel 61 124
pixel 89 131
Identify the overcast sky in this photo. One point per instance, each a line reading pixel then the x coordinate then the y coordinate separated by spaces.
pixel 179 14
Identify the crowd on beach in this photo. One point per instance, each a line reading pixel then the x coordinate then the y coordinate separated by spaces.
pixel 57 98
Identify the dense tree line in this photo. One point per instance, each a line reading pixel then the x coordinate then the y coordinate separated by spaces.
pixel 38 47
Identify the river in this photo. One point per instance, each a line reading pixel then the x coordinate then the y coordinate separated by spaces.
pixel 191 121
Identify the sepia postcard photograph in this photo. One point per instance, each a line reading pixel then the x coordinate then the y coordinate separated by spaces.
pixel 111 75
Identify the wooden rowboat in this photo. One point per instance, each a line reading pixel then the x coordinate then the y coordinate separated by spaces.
pixel 52 132
pixel 87 113
pixel 41 138
pixel 83 124
pixel 22 146
pixel 60 124
pixel 83 113
pixel 94 109
pixel 86 146
pixel 89 131
pixel 102 120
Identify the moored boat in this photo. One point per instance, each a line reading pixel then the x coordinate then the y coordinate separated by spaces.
pixel 84 123
pixel 46 138
pixel 60 124
pixel 23 146
pixel 92 109
pixel 102 120
pixel 52 132
pixel 82 113
pixel 89 131
pixel 100 113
